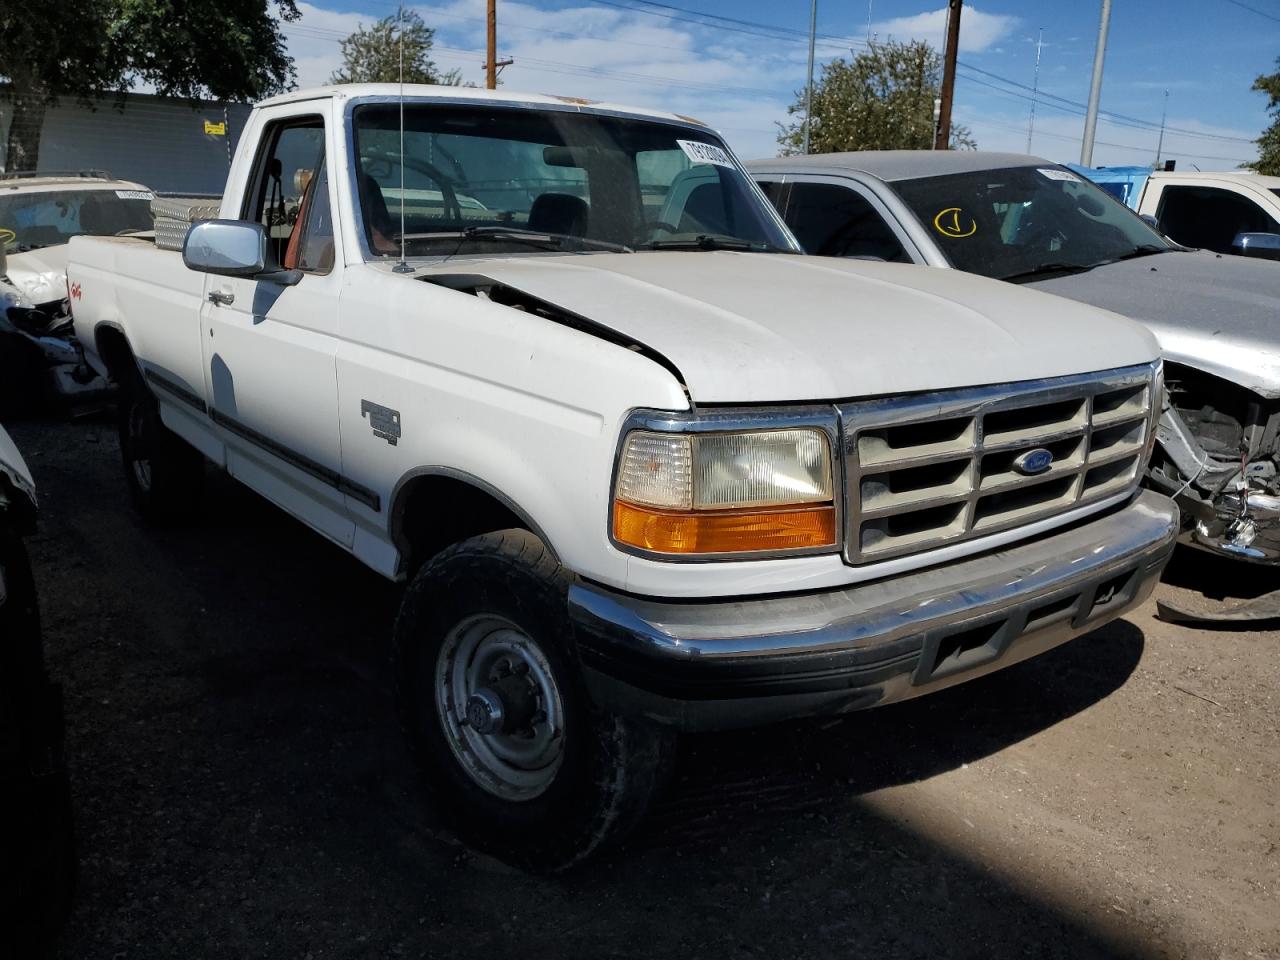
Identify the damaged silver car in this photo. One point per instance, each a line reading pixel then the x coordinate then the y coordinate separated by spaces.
pixel 39 213
pixel 1033 222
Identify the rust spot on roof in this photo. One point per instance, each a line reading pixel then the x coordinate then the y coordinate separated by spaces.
pixel 578 100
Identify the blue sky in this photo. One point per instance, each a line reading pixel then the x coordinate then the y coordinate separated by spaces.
pixel 740 77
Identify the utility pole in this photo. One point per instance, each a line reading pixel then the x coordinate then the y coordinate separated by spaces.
pixel 808 90
pixel 491 64
pixel 1035 90
pixel 1095 89
pixel 1160 145
pixel 942 138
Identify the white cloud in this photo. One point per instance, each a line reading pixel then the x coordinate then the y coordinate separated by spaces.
pixel 738 83
pixel 978 31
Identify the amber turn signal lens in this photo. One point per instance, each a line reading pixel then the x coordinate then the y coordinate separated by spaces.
pixel 724 531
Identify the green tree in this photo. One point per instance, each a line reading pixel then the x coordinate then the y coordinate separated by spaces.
pixel 373 55
pixel 1268 161
pixel 90 49
pixel 881 100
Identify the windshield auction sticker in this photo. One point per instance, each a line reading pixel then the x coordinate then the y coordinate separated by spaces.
pixel 700 152
pixel 1053 174
pixel 955 223
pixel 135 195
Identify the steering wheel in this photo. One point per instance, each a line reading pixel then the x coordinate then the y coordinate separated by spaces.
pixel 1040 235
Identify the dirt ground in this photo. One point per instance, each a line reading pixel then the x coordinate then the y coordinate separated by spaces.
pixel 242 789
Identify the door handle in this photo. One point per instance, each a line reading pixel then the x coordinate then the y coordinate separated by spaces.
pixel 222 298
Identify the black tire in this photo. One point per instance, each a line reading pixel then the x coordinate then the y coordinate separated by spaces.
pixel 37 844
pixel 608 767
pixel 164 473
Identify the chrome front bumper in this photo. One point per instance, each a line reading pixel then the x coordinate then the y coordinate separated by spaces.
pixel 719 664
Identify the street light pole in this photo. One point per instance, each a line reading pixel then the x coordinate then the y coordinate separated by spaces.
pixel 1095 89
pixel 808 92
pixel 1035 91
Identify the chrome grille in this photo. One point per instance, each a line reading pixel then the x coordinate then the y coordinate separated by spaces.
pixel 933 469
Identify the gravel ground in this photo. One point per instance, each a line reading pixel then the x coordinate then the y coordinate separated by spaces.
pixel 242 789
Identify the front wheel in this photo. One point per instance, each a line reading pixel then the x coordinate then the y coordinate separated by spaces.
pixel 521 762
pixel 165 475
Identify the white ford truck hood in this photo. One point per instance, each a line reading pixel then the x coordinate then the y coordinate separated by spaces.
pixel 757 328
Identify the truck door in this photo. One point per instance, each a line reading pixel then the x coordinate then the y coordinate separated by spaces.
pixel 270 349
pixel 1208 216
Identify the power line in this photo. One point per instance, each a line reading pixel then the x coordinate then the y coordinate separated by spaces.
pixel 1261 13
pixel 738 25
pixel 1102 143
pixel 773 32
pixel 1119 118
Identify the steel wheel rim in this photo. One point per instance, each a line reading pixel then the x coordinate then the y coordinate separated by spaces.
pixel 476 653
pixel 137 431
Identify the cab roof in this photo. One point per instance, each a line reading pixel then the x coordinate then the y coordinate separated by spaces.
pixel 1246 176
pixel 899 164
pixel 421 91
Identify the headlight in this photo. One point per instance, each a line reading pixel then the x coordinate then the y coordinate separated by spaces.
pixel 725 493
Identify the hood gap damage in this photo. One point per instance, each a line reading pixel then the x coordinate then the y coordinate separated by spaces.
pixel 486 288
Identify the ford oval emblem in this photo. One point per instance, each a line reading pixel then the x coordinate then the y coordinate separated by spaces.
pixel 1034 461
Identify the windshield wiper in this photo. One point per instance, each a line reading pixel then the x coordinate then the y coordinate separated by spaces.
pixel 522 235
pixel 1044 269
pixel 1065 269
pixel 707 242
pixel 1145 250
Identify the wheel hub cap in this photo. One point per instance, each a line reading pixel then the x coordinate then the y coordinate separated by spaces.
pixel 500 707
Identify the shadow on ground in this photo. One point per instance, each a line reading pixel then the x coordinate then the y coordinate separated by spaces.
pixel 1219 578
pixel 242 789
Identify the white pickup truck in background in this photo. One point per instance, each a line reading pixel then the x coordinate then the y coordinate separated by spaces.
pixel 560 367
pixel 1224 211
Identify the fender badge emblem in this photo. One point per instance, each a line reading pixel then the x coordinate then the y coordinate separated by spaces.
pixel 384 420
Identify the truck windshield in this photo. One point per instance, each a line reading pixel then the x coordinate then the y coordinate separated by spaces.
pixel 1026 222
pixel 46 218
pixel 520 180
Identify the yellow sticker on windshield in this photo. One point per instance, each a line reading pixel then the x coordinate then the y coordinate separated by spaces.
pixel 955 223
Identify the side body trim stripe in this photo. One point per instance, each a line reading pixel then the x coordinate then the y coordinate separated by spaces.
pixel 308 466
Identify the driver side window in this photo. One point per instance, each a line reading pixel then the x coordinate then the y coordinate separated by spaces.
pixel 291 195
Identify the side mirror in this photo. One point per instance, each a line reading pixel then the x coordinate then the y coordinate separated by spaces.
pixel 234 248
pixel 1263 245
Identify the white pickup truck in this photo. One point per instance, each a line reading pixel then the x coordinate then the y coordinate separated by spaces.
pixel 1224 211
pixel 559 366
